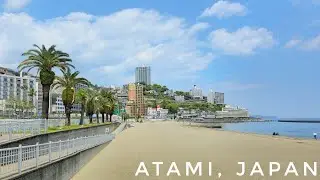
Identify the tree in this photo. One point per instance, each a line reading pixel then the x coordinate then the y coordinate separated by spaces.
pixel 45 60
pixel 164 104
pixel 68 81
pixel 82 97
pixel 173 108
pixel 110 104
pixel 107 101
pixel 90 106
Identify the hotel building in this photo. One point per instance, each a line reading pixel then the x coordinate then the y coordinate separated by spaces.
pixel 136 103
pixel 16 86
pixel 143 75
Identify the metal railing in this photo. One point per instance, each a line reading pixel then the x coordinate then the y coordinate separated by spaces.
pixel 19 128
pixel 18 159
pixel 13 129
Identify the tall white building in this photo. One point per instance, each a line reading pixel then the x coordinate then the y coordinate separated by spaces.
pixel 16 86
pixel 196 92
pixel 143 75
pixel 211 97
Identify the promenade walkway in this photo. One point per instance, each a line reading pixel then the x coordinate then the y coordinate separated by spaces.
pixel 171 142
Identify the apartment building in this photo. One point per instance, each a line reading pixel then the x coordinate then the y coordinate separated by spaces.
pixel 16 86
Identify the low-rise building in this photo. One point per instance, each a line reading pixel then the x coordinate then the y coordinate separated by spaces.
pixel 157 113
pixel 179 98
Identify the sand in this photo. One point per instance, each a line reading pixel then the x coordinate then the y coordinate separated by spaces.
pixel 169 142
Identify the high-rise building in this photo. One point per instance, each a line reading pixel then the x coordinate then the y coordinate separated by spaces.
pixel 219 98
pixel 143 75
pixel 196 92
pixel 211 97
pixel 136 103
pixel 17 86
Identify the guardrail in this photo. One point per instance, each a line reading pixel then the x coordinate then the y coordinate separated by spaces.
pixel 13 129
pixel 18 159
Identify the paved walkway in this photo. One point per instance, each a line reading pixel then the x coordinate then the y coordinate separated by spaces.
pixel 170 142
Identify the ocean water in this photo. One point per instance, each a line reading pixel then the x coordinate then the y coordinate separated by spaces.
pixel 299 130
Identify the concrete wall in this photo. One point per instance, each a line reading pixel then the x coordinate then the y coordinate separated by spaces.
pixel 62 169
pixel 61 135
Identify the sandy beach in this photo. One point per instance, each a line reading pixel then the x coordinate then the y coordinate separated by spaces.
pixel 169 142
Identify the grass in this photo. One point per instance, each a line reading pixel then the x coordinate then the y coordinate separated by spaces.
pixel 72 127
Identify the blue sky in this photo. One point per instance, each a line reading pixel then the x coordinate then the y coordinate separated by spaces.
pixel 263 54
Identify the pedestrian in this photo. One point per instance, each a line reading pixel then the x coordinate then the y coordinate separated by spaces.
pixel 315 135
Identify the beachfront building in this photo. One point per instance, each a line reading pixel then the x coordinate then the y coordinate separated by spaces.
pixel 136 102
pixel 232 112
pixel 157 113
pixel 143 75
pixel 16 86
pixel 196 93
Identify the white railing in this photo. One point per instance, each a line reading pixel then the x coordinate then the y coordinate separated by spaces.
pixel 13 129
pixel 18 159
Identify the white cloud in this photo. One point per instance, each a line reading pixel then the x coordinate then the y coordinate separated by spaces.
pixel 109 47
pixel 244 41
pixel 312 44
pixel 292 43
pixel 223 9
pixel 12 5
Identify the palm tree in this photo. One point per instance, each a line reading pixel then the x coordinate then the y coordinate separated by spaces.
pixel 82 97
pixel 45 60
pixel 68 82
pixel 102 103
pixel 91 99
pixel 110 107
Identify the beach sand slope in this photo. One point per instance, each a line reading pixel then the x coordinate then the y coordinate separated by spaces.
pixel 169 142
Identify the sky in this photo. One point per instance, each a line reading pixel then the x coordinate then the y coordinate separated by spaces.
pixel 264 55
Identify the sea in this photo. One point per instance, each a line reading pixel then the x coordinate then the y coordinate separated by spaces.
pixel 289 129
